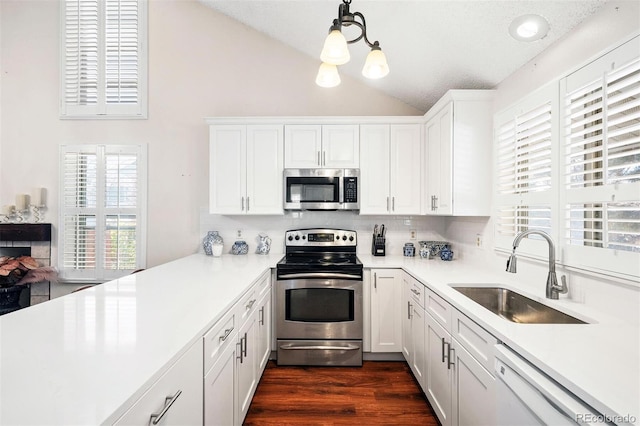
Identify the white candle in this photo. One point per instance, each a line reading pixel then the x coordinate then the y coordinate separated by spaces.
pixel 39 197
pixel 22 202
pixel 8 210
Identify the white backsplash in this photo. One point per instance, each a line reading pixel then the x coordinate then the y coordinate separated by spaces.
pixel 398 228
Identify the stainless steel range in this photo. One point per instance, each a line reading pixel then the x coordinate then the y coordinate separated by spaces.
pixel 319 299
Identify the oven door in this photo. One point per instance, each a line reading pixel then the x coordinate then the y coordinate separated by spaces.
pixel 322 309
pixel 313 189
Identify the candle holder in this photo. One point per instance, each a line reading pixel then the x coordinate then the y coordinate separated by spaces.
pixel 8 216
pixel 38 212
pixel 19 215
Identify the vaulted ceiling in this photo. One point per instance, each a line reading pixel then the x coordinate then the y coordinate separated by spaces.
pixel 431 46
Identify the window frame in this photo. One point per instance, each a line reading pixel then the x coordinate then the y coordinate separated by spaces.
pixel 99 273
pixel 103 110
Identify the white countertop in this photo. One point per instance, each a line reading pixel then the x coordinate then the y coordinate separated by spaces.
pixel 85 357
pixel 599 361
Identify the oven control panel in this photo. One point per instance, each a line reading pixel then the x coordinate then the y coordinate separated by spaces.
pixel 321 237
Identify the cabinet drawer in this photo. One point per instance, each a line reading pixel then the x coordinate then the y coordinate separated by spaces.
pixel 263 284
pixel 476 340
pixel 177 396
pixel 438 308
pixel 417 291
pixel 218 338
pixel 245 306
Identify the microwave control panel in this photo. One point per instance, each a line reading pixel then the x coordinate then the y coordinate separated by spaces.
pixel 350 189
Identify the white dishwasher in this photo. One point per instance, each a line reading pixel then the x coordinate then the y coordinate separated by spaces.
pixel 525 396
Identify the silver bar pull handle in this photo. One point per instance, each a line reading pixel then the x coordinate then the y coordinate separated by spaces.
pixel 250 304
pixel 443 356
pixel 449 351
pixel 319 164
pixel 240 351
pixel 408 310
pixel 393 204
pixel 227 332
pixel 435 202
pixel 244 351
pixel 324 158
pixel 242 204
pixel 261 321
pixel 247 203
pixel 375 280
pixel 388 204
pixel 323 275
pixel 302 347
pixel 168 402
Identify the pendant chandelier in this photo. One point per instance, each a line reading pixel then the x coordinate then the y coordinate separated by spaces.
pixel 335 50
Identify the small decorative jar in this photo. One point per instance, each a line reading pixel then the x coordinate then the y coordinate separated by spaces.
pixel 240 247
pixel 424 250
pixel 446 254
pixel 209 240
pixel 409 250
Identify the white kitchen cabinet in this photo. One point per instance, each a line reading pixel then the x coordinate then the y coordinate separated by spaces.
pixel 264 329
pixel 458 385
pixel 413 327
pixel 457 160
pixel 390 162
pixel 322 146
pixel 386 305
pixel 219 389
pixel 246 364
pixel 176 398
pixel 245 169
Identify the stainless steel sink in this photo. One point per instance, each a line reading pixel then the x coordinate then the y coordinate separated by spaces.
pixel 515 307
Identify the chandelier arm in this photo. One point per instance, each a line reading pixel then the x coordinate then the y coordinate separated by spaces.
pixel 363 27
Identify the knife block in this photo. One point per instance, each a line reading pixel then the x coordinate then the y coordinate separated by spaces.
pixel 378 245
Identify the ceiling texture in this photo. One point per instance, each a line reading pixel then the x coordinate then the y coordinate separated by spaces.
pixel 431 45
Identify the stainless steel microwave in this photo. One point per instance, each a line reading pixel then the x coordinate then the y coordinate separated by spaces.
pixel 321 189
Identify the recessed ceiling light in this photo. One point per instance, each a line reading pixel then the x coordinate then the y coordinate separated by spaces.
pixel 529 28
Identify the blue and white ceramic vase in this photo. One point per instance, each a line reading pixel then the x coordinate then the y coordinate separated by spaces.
pixel 209 240
pixel 446 254
pixel 240 247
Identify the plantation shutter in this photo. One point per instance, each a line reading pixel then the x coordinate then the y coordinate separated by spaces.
pixel 524 161
pixel 103 211
pixel 104 59
pixel 602 162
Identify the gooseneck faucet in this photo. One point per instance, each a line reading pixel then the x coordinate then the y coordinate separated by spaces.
pixel 553 289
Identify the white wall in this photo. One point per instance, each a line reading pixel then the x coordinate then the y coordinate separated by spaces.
pixel 615 23
pixel 201 64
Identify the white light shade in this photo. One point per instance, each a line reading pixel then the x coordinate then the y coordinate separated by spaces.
pixel 335 50
pixel 327 75
pixel 529 28
pixel 376 65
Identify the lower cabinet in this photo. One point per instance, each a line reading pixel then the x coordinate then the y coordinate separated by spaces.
pixel 236 352
pixel 176 398
pixel 413 325
pixel 459 387
pixel 386 304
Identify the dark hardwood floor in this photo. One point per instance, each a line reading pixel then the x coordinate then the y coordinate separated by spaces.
pixel 383 393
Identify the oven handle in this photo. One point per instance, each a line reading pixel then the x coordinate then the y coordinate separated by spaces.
pixel 294 347
pixel 324 275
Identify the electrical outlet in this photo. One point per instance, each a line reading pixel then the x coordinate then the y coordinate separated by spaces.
pixel 412 234
pixel 239 233
pixel 478 240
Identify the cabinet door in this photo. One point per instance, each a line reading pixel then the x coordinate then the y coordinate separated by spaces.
pixel 432 161
pixel 374 169
pixel 227 177
pixel 246 365
pixel 386 305
pixel 405 165
pixel 179 390
pixel 444 201
pixel 341 146
pixel 219 390
pixel 407 312
pixel 418 360
pixel 264 169
pixel 474 391
pixel 439 374
pixel 302 146
pixel 264 332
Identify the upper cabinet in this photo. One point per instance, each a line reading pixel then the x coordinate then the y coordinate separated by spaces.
pixel 245 169
pixel 457 159
pixel 321 146
pixel 390 168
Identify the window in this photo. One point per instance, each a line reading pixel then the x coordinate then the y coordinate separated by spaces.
pixel 524 164
pixel 601 162
pixel 104 62
pixel 103 211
